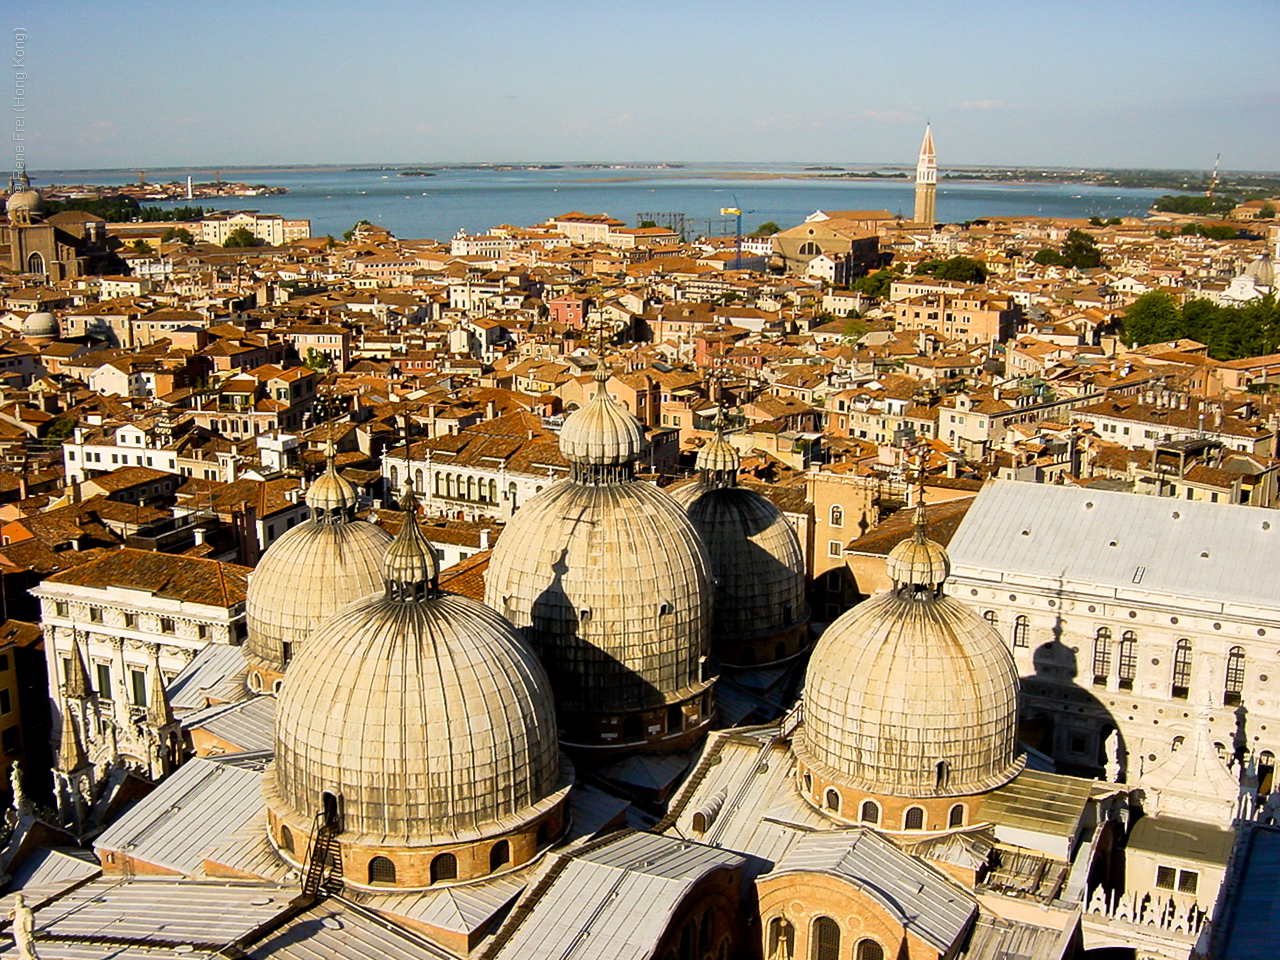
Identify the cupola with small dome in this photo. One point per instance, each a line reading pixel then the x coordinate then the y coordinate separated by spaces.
pixel 910 704
pixel 420 729
pixel 761 615
pixel 311 572
pixel 606 577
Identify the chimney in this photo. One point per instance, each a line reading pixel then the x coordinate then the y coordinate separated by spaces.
pixel 484 538
pixel 490 410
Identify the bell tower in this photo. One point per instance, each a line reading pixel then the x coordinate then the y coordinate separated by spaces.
pixel 926 181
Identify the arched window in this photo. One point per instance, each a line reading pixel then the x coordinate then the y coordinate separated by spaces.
pixel 255 682
pixel 837 515
pixel 1234 684
pixel 914 819
pixel 444 867
pixel 1102 656
pixel 704 933
pixel 499 855
pixel 395 480
pixel 941 775
pixel 992 618
pixel 439 483
pixel 382 870
pixel 1181 670
pixel 868 950
pixel 35 263
pixel 286 839
pixel 833 800
pixel 808 783
pixel 782 936
pixel 1127 669
pixel 511 494
pixel 675 719
pixel 956 817
pixel 450 486
pixel 826 940
pixel 471 488
pixel 870 812
pixel 1021 629
pixel 493 491
pixel 809 249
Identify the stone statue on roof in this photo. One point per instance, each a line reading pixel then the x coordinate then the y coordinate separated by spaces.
pixel 24 926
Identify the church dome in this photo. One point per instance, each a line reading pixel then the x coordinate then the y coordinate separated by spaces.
pixel 602 432
pixel 41 324
pixel 607 579
pixel 24 200
pixel 757 565
pixel 1261 271
pixel 758 570
pixel 308 574
pixel 912 693
pixel 424 716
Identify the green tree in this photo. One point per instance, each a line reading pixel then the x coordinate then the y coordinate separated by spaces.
pixel 1153 318
pixel 1268 212
pixel 180 234
pixel 60 428
pixel 958 269
pixel 315 360
pixel 141 246
pixel 1081 251
pixel 766 229
pixel 349 235
pixel 648 224
pixel 1048 257
pixel 877 284
pixel 243 237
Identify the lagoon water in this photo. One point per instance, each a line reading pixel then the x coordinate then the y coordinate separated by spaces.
pixel 477 199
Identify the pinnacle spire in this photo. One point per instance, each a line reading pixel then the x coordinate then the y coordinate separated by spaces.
pixel 71 755
pixel 159 710
pixel 77 684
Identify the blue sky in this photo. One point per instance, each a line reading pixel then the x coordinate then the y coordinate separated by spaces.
pixel 1148 84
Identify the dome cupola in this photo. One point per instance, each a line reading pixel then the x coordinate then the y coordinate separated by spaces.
pixel 425 725
pixel 910 704
pixel 308 574
pixel 761 614
pixel 602 440
pixel 332 498
pixel 607 579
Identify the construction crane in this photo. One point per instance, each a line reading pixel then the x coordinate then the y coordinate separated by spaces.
pixel 1213 177
pixel 736 212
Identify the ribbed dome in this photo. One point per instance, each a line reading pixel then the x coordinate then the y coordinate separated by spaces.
pixel 602 433
pixel 331 496
pixel 430 719
pixel 306 576
pixel 718 455
pixel 906 681
pixel 1262 271
pixel 757 566
pixel 918 561
pixel 610 584
pixel 41 324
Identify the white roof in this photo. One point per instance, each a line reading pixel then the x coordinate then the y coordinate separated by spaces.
pixel 197 809
pixel 1121 542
